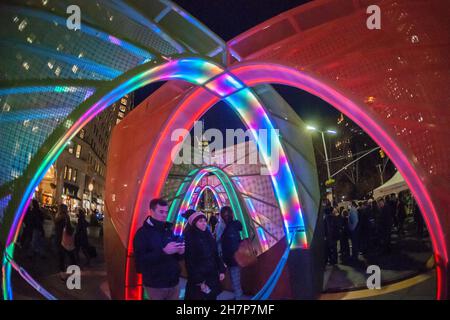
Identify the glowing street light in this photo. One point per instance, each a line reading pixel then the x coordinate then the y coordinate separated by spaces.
pixel 329 131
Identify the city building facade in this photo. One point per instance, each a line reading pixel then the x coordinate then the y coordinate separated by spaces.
pixel 77 178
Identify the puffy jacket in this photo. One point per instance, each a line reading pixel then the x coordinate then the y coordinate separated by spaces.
pixel 203 264
pixel 230 241
pixel 159 270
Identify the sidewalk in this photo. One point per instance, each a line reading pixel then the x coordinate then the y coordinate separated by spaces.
pixel 409 256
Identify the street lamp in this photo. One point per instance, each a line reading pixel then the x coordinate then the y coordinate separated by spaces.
pixel 329 131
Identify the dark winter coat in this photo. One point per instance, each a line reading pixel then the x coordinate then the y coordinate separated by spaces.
pixel 203 264
pixel 60 223
pixel 230 241
pixel 159 270
pixel 37 220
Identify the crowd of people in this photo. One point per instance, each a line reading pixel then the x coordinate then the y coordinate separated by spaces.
pixel 365 227
pixel 68 240
pixel 208 250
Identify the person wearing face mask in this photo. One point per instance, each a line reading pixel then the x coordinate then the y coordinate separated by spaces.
pixel 205 269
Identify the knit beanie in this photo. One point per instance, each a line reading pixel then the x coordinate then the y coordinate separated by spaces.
pixel 193 218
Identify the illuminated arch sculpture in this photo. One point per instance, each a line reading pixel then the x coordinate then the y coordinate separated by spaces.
pixel 181 204
pixel 385 85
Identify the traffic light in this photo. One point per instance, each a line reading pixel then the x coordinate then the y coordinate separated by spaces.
pixel 382 154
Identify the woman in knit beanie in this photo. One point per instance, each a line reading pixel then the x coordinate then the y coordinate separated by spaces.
pixel 204 267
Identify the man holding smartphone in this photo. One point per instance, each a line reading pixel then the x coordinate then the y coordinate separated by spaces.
pixel 157 254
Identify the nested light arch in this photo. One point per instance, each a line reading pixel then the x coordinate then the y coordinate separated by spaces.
pixel 217 197
pixel 258 73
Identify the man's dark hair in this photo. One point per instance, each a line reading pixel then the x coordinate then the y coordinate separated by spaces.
pixel 226 213
pixel 354 204
pixel 157 202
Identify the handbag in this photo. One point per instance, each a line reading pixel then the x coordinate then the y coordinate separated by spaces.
pixel 245 255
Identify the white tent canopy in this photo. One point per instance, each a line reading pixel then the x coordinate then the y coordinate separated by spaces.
pixel 393 185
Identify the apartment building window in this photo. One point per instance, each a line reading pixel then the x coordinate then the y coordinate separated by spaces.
pixel 123 101
pixel 78 152
pixel 123 108
pixel 74 175
pixel 82 133
pixel 121 114
pixel 69 174
pixel 118 121
pixel 70 148
pixel 65 172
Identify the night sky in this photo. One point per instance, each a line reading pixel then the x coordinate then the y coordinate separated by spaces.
pixel 229 18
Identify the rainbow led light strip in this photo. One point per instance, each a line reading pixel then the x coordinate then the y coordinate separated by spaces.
pixel 199 72
pixel 193 70
pixel 190 103
pixel 218 199
pixel 282 179
pixel 254 74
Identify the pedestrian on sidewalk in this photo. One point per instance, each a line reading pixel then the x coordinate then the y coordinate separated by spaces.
pixel 64 240
pixel 37 229
pixel 81 238
pixel 333 234
pixel 353 224
pixel 345 237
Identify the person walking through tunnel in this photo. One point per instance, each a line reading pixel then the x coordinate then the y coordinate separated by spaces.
pixel 230 241
pixel 157 254
pixel 81 237
pixel 213 222
pixel 64 240
pixel 218 231
pixel 205 269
